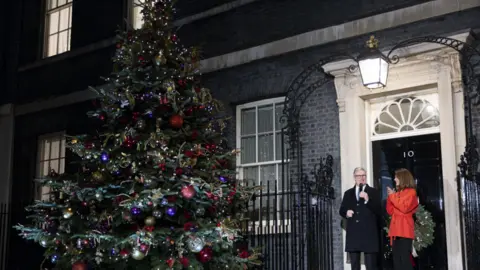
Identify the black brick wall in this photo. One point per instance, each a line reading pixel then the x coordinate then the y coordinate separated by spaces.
pixel 267 20
pixel 271 77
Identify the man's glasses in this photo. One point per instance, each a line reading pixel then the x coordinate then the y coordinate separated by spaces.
pixel 360 175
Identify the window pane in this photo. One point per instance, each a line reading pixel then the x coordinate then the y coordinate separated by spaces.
pixel 52 4
pixel 278 146
pixel 69 17
pixel 265 147
pixel 53 22
pixel 63 42
pixel 44 193
pixel 62 2
pixel 265 118
pixel 62 151
pixel 44 169
pixel 64 16
pixel 248 121
pixel 55 148
pixel 69 38
pixel 268 174
pixel 52 45
pixel 54 165
pixel 250 175
pixel 62 166
pixel 278 115
pixel 283 180
pixel 248 150
pixel 46 149
pixel 137 15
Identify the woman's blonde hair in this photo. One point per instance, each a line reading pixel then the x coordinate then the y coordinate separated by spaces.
pixel 405 179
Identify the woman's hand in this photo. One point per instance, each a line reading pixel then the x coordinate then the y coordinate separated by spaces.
pixel 390 191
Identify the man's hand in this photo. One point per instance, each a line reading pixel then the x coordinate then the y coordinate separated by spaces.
pixel 364 195
pixel 349 213
pixel 390 191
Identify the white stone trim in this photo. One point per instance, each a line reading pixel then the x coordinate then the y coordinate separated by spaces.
pixel 429 67
pixel 337 32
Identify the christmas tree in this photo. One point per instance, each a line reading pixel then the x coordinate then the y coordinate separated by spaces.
pixel 157 186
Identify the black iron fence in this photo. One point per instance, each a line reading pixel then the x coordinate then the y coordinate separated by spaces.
pixel 293 226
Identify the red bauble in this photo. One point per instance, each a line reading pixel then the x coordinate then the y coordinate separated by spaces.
pixel 205 255
pixel 176 121
pixel 244 254
pixel 79 266
pixel 194 134
pixel 170 262
pixel 184 261
pixel 124 253
pixel 188 192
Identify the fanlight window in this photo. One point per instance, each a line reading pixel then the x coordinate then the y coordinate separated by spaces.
pixel 406 114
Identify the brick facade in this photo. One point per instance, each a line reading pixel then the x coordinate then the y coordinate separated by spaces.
pixel 253 24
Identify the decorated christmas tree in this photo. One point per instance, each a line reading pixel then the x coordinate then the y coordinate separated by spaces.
pixel 157 186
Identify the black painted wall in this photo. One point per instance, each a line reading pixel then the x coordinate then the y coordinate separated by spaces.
pixel 94 20
pixel 267 20
pixel 71 119
pixel 63 77
pixel 185 8
pixel 249 25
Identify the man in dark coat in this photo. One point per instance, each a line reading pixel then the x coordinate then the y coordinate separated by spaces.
pixel 361 207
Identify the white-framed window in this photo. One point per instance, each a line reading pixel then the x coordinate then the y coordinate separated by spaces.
pixel 136 14
pixel 259 138
pixel 58 27
pixel 51 156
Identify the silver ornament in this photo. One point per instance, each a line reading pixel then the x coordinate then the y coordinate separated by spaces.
pixel 79 243
pixel 137 254
pixel 150 183
pixel 195 244
pixel 141 124
pixel 200 211
pixel 149 221
pixel 157 213
pixel 43 242
pixel 99 196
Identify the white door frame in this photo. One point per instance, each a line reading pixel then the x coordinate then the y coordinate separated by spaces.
pixel 421 68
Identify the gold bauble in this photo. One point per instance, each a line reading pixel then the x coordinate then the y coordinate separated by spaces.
pixel 169 85
pixel 150 221
pixel 67 213
pixel 97 176
pixel 137 254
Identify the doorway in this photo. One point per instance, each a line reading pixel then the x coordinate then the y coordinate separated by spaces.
pixel 422 156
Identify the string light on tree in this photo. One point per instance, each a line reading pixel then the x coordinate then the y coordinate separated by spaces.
pixel 156 178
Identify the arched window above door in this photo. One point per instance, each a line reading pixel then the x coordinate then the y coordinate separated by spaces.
pixel 406 114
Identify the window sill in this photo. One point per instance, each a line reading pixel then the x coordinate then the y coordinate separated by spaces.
pixel 268 227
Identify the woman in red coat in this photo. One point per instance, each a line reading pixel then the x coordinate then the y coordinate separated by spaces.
pixel 401 205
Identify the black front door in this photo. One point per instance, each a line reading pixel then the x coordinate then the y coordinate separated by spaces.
pixel 422 156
